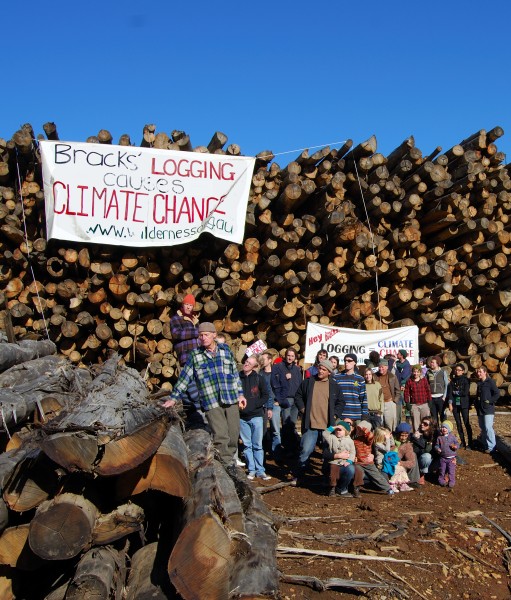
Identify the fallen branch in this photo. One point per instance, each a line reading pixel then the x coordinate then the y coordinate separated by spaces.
pixel 396 590
pixel 379 535
pixel 499 528
pixel 264 489
pixel 406 583
pixel 282 550
pixel 321 585
pixel 335 518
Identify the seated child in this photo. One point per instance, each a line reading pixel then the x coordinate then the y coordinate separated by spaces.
pixel 446 446
pixel 364 461
pixel 387 459
pixel 339 451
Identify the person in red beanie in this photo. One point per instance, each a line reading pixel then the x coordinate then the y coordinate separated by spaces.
pixel 185 337
pixel 183 325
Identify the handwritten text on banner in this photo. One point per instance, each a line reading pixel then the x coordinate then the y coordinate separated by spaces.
pixel 131 196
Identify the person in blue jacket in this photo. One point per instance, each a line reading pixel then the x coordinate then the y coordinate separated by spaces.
pixel 487 396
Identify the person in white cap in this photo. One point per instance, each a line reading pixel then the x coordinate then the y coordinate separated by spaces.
pixel 213 369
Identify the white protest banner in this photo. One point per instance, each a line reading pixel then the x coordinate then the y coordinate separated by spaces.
pixel 130 196
pixel 340 341
pixel 256 348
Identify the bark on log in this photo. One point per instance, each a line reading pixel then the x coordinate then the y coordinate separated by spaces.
pixel 113 429
pixel 98 575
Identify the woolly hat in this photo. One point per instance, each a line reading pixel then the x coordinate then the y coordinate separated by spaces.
pixel 341 423
pixel 383 363
pixel 207 327
pixel 351 355
pixel 403 353
pixel 403 428
pixel 447 425
pixel 365 425
pixel 189 299
pixel 327 364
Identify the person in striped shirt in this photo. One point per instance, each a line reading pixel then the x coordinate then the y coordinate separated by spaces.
pixel 353 388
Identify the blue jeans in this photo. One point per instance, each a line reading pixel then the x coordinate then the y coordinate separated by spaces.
pixel 399 409
pixel 425 461
pixel 341 476
pixel 307 445
pixel 275 428
pixel 487 431
pixel 251 432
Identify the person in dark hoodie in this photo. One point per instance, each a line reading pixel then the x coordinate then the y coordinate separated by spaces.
pixel 459 403
pixel 255 391
pixel 286 377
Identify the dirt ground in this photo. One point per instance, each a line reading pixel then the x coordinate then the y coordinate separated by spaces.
pixel 445 545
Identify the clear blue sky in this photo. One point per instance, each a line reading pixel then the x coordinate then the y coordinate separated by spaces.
pixel 278 76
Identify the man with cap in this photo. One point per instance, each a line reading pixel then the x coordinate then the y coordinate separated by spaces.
pixel 403 371
pixel 391 393
pixel 353 389
pixel 320 401
pixel 213 369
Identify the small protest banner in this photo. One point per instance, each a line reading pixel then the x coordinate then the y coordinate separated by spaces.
pixel 339 341
pixel 256 348
pixel 128 196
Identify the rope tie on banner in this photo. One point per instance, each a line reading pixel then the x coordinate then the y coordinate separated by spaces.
pixel 308 148
pixel 371 237
pixel 28 247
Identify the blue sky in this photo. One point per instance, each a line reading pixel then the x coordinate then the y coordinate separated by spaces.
pixel 278 76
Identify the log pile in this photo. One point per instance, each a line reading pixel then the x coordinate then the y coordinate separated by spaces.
pixel 105 497
pixel 345 237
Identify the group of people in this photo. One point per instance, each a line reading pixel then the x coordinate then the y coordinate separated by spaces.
pixel 357 419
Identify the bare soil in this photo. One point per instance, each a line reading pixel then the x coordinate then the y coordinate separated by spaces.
pixel 451 550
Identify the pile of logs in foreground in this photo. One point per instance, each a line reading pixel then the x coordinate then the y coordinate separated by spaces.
pixel 104 496
pixel 433 230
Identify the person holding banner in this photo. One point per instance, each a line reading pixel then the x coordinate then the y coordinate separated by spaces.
pixel 391 393
pixel 286 377
pixel 353 389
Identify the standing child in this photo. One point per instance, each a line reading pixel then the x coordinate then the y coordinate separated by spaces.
pixel 446 446
pixel 339 451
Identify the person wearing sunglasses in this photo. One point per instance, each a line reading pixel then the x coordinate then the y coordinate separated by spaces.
pixel 458 394
pixel 353 388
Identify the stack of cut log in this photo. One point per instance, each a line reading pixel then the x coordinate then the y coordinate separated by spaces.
pixel 94 464
pixel 342 236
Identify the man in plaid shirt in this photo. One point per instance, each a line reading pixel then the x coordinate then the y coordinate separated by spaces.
pixel 213 369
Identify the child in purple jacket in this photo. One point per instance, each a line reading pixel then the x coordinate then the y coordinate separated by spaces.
pixel 446 446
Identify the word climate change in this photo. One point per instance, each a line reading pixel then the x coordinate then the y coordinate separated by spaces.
pixel 133 206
